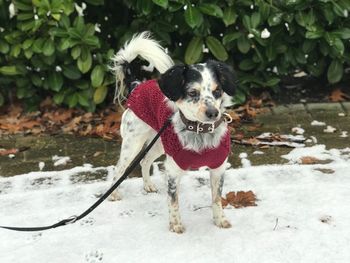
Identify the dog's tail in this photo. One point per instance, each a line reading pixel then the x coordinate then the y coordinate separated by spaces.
pixel 144 46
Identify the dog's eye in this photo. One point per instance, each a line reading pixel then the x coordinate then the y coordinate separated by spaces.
pixel 193 93
pixel 217 93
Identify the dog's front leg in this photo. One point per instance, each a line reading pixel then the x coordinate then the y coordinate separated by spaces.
pixel 216 182
pixel 173 176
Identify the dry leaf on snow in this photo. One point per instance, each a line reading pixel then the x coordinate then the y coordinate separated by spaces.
pixel 312 160
pixel 239 199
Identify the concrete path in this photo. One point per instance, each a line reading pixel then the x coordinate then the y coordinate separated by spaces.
pixel 96 151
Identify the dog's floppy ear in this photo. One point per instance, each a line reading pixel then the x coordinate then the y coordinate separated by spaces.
pixel 225 75
pixel 172 82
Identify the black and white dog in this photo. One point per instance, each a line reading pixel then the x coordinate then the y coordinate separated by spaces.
pixel 195 96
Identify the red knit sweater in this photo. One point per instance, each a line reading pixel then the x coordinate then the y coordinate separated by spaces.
pixel 149 104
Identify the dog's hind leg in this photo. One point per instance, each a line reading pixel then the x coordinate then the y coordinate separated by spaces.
pixel 156 151
pixel 135 134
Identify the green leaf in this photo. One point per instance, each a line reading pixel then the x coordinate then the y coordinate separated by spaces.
pixel 211 9
pixel 4 47
pixel 313 34
pixel 193 17
pixel 58 97
pixel 247 64
pixel 23 6
pixel 95 2
pixel 339 45
pixel 246 22
pixel 84 64
pixel 194 50
pixel 272 82
pixel 25 16
pixel 27 43
pixel 97 76
pixel 72 100
pixel 229 16
pixel 37 45
pixel 48 47
pixel 15 50
pixel 71 72
pixel 91 41
pixel 83 99
pixel 216 48
pixel 145 6
pixel 76 51
pixel 64 44
pixel 243 44
pixel 255 19
pixel 338 9
pixel 28 53
pixel 9 70
pixel 239 97
pixel 264 10
pixel 36 80
pixel 162 3
pixel 275 19
pixel 335 71
pixel 2 100
pixel 231 37
pixel 55 81
pixel 343 33
pixel 100 94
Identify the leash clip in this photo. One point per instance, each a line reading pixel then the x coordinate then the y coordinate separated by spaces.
pixel 71 220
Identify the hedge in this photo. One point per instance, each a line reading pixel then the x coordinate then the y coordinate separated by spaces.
pixel 61 48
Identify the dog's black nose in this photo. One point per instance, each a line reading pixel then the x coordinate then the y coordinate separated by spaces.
pixel 212 113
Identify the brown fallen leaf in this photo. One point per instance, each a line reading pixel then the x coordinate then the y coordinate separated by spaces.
pixel 254 127
pixel 337 95
pixel 309 160
pixel 8 151
pixel 313 160
pixel 224 202
pixel 241 199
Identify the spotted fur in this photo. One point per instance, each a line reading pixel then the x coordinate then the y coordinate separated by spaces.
pixel 201 92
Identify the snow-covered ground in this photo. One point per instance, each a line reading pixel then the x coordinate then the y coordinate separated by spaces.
pixel 303 215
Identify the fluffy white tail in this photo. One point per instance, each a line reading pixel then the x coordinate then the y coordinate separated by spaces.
pixel 140 45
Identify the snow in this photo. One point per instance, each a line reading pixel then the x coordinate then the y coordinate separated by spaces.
pixel 303 215
pixel 330 129
pixel 344 134
pixel 41 165
pixel 265 33
pixel 318 123
pixel 60 160
pixel 298 130
pixel 244 161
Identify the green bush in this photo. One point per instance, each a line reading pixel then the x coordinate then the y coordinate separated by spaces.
pixel 47 48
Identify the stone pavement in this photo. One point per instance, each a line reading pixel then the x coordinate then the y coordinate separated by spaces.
pixel 98 152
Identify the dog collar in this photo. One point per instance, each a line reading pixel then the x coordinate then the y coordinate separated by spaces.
pixel 200 127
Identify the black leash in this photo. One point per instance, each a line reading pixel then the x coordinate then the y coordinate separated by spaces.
pixel 73 219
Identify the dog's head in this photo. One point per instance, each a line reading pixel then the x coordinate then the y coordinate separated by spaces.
pixel 200 91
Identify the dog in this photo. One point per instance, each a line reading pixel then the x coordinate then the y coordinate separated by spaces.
pixel 195 97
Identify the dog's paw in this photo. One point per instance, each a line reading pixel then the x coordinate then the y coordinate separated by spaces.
pixel 222 223
pixel 114 196
pixel 177 228
pixel 150 188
